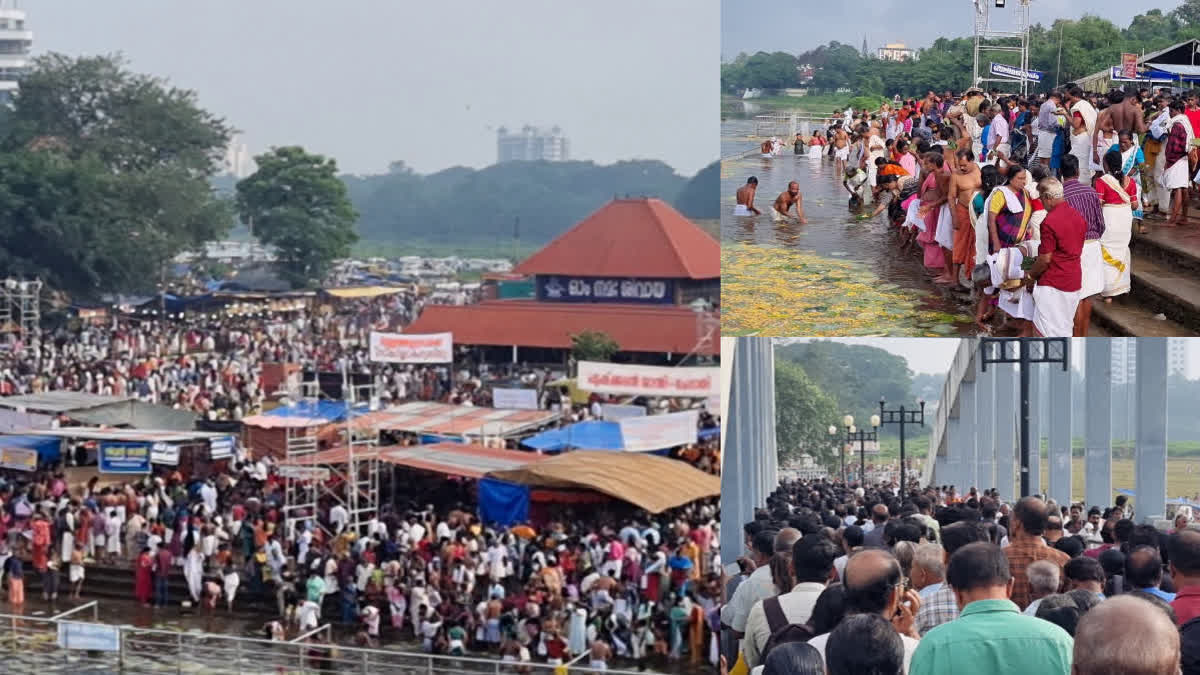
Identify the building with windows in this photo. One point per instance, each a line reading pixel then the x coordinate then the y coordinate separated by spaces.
pixel 896 51
pixel 1124 358
pixel 532 144
pixel 238 161
pixel 16 43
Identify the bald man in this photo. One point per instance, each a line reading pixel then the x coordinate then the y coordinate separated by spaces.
pixel 879 521
pixel 785 202
pixel 1127 635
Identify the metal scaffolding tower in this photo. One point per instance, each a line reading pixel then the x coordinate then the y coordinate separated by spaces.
pixel 988 39
pixel 301 484
pixel 20 308
pixel 362 481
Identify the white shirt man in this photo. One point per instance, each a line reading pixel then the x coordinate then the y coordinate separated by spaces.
pixel 338 517
pixel 797 607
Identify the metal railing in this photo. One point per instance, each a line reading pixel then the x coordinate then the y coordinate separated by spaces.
pixel 53 645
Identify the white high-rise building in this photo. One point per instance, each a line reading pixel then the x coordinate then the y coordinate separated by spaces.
pixel 16 42
pixel 1124 358
pixel 532 143
pixel 1177 356
pixel 238 162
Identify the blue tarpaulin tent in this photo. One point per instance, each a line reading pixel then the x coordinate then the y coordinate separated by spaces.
pixel 48 447
pixel 503 503
pixel 589 435
pixel 334 411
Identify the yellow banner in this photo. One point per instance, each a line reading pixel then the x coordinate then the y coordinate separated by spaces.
pixel 21 459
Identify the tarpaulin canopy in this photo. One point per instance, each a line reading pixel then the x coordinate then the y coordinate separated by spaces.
pixel 329 411
pixel 454 420
pixel 590 435
pixel 647 481
pixel 363 291
pixel 59 401
pixel 458 459
pixel 136 414
pixel 503 503
pixel 146 435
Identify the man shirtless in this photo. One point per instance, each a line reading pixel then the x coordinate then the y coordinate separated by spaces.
pixel 784 203
pixel 933 196
pixel 1126 112
pixel 745 199
pixel 841 150
pixel 965 182
pixel 600 654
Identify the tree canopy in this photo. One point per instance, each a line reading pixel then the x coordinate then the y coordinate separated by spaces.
pixel 104 176
pixel 297 204
pixel 1089 45
pixel 803 412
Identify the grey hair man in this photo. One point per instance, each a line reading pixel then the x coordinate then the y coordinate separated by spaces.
pixel 1044 579
pixel 1103 644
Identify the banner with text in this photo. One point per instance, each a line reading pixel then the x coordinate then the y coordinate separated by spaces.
pixel 117 457
pixel 621 378
pixel 659 431
pixel 1129 64
pixel 1016 73
pixel 554 288
pixel 21 459
pixel 412 348
pixel 515 399
pixel 613 412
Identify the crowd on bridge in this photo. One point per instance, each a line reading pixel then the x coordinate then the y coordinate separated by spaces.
pixel 844 579
pixel 1030 202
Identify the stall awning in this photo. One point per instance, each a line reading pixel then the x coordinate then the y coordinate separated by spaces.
pixel 363 291
pixel 647 481
pixel 272 422
pixel 590 435
pixel 59 401
pixel 47 449
pixel 131 435
pixel 456 459
pixel 1176 69
pixel 330 411
pixel 446 419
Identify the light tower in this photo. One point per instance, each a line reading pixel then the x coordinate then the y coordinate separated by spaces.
pixel 988 39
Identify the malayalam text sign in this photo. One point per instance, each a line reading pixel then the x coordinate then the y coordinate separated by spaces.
pixel 1014 72
pixel 117 457
pixel 412 348
pixel 1129 66
pixel 619 378
pixel 21 459
pixel 558 288
pixel 659 431
pixel 515 399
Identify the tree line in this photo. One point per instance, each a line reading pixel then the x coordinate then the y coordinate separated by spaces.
pixel 1066 50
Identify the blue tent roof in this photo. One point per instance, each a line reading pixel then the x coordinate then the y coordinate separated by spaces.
pixel 334 411
pixel 589 435
pixel 47 446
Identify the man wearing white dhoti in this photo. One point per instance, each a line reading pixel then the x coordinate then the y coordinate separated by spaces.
pixel 1083 123
pixel 1175 162
pixel 1056 276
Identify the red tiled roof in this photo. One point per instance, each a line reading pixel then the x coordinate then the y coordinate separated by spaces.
pixel 635 328
pixel 630 238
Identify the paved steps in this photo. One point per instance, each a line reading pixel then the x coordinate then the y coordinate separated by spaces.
pixel 1165 281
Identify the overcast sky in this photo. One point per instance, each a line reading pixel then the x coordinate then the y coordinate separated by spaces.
pixel 373 81
pixel 791 26
pixel 933 355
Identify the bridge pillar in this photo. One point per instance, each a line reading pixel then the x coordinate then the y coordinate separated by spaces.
pixel 1097 462
pixel 968 457
pixel 985 422
pixel 1006 430
pixel 1036 414
pixel 1059 457
pixel 1151 448
pixel 749 467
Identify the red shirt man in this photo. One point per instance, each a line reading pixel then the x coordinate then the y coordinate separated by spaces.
pixel 1062 237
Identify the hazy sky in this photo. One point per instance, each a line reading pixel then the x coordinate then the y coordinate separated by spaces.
pixel 787 25
pixel 933 355
pixel 373 81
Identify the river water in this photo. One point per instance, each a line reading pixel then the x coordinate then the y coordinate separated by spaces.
pixel 837 275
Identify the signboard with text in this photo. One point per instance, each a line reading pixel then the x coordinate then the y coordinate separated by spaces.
pixel 118 457
pixel 21 459
pixel 613 412
pixel 317 473
pixel 659 431
pixel 620 378
pixel 1004 70
pixel 412 348
pixel 554 288
pixel 1129 65
pixel 94 637
pixel 515 399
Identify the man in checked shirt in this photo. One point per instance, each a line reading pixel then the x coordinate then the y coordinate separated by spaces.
pixel 941 606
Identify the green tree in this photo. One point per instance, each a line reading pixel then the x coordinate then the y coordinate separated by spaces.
pixel 593 345
pixel 104 176
pixel 701 197
pixel 803 413
pixel 298 205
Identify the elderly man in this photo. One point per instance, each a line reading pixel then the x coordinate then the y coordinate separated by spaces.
pixel 1126 635
pixel 928 569
pixel 1026 546
pixel 940 606
pixel 873 586
pixel 991 636
pixel 879 519
pixel 1056 277
pixel 1044 579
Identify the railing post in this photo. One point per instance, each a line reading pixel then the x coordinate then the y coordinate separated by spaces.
pixel 237 655
pixel 429 667
pixel 366 663
pixel 121 649
pixel 179 655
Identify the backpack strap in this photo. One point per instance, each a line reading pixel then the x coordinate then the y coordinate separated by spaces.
pixel 776 619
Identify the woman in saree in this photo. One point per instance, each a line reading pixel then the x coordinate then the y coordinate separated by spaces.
pixel 1118 193
pixel 1132 160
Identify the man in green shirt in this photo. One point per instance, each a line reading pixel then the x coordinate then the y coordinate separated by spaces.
pixel 990 634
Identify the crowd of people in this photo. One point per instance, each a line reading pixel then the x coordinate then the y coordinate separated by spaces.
pixel 1028 202
pixel 844 579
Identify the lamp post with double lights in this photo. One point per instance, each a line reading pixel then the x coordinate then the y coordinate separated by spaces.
pixel 862 436
pixel 842 454
pixel 902 417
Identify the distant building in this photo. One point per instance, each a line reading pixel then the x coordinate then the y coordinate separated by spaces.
pixel 531 143
pixel 238 161
pixel 896 51
pixel 1124 359
pixel 16 42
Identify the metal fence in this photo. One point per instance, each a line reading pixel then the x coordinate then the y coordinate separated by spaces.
pixel 52 645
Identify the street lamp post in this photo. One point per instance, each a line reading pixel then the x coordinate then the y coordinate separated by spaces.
pixel 854 434
pixel 1028 351
pixel 903 418
pixel 832 435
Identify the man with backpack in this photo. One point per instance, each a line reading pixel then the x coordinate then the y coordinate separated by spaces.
pixel 780 618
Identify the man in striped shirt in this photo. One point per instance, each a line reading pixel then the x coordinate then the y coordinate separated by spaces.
pixel 1084 199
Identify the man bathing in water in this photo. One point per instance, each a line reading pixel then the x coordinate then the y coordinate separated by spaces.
pixel 784 203
pixel 841 150
pixel 745 199
pixel 768 148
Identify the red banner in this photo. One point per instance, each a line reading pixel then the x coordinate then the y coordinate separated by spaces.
pixel 1129 64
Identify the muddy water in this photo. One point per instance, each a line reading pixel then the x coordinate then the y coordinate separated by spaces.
pixel 837 275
